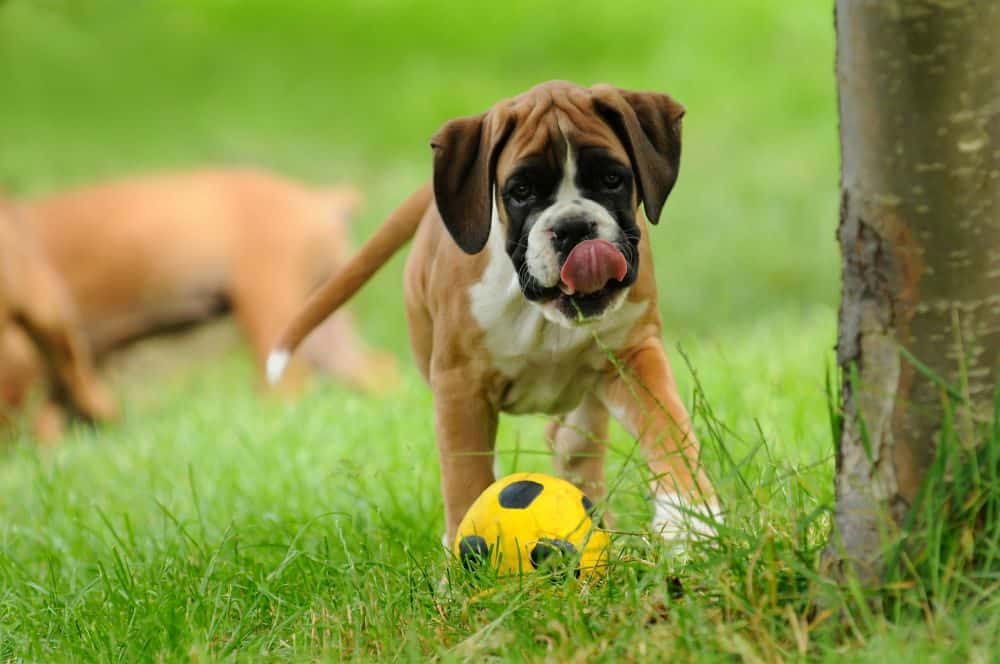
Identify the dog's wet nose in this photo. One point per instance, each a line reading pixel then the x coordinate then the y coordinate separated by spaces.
pixel 567 233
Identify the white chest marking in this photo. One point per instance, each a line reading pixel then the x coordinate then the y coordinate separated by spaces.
pixel 550 365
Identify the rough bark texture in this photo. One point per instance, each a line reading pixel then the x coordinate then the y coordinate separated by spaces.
pixel 919 84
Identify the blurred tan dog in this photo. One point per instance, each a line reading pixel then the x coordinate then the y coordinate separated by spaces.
pixel 153 253
pixel 40 336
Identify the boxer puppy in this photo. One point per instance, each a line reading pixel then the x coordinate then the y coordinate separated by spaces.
pixel 530 289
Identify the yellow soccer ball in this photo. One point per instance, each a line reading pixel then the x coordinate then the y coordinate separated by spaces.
pixel 527 521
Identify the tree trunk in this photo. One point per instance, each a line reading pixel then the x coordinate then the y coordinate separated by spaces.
pixel 919 84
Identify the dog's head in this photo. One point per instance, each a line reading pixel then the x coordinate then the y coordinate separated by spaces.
pixel 564 169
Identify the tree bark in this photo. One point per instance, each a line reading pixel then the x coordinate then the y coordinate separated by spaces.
pixel 919 96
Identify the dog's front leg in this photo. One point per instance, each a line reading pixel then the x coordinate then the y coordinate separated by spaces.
pixel 48 319
pixel 643 397
pixel 66 353
pixel 466 427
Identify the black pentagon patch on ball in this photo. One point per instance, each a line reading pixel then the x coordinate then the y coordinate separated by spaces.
pixel 473 551
pixel 518 495
pixel 549 553
pixel 588 507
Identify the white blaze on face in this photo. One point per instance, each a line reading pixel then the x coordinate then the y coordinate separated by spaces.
pixel 541 259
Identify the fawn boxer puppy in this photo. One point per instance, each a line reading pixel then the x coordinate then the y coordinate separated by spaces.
pixel 40 333
pixel 150 253
pixel 530 288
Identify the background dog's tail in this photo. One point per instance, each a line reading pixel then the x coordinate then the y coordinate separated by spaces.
pixel 396 231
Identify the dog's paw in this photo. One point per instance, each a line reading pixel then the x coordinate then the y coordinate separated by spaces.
pixel 680 520
pixel 98 404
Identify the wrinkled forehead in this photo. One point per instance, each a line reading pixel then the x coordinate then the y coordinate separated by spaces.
pixel 544 130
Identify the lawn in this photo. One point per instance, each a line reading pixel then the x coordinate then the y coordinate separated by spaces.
pixel 213 523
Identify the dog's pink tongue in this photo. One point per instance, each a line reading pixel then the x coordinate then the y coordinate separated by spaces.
pixel 591 265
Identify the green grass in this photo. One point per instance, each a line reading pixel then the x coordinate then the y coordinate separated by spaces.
pixel 213 524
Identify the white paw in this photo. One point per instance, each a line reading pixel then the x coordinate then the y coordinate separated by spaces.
pixel 679 520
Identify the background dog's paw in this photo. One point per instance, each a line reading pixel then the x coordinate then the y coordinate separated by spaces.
pixel 98 404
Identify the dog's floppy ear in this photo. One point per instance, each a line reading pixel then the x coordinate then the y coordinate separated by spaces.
pixel 649 126
pixel 465 158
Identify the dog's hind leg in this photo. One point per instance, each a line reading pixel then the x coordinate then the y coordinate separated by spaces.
pixel 336 348
pixel 579 441
pixel 263 302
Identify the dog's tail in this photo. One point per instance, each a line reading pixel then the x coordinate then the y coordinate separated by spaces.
pixel 396 231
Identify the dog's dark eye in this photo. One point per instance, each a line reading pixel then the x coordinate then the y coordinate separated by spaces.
pixel 611 180
pixel 521 192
